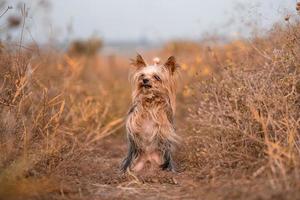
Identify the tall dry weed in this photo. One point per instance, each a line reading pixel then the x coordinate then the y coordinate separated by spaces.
pixel 246 116
pixel 52 109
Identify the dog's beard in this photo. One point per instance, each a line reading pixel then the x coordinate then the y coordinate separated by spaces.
pixel 150 92
pixel 146 92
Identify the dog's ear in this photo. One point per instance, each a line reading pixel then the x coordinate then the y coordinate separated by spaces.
pixel 171 64
pixel 138 61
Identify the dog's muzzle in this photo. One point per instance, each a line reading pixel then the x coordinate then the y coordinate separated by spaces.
pixel 147 86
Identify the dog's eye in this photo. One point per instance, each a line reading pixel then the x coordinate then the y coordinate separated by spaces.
pixel 142 75
pixel 157 77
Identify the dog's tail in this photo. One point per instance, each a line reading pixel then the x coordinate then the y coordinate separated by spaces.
pixel 156 60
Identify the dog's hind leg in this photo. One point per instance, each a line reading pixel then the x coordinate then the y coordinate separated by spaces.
pixel 168 163
pixel 131 155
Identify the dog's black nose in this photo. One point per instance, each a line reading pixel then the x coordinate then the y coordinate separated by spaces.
pixel 145 81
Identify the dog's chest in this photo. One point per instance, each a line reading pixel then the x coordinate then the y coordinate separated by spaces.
pixel 148 129
pixel 144 123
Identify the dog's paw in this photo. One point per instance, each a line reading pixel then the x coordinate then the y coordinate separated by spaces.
pixel 168 167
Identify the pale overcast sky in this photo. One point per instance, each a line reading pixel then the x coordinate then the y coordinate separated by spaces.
pixel 154 19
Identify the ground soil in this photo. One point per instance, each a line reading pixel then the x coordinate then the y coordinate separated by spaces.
pixel 96 176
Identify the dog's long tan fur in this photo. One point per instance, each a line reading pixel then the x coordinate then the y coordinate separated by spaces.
pixel 150 124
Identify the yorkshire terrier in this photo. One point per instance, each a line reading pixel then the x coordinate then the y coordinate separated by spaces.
pixel 150 121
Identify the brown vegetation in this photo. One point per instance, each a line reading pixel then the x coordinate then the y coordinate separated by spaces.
pixel 85 47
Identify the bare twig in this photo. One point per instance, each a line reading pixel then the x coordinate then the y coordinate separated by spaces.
pixel 8 8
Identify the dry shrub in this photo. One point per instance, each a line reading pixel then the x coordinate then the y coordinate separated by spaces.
pixel 246 117
pixel 85 47
pixel 180 47
pixel 53 108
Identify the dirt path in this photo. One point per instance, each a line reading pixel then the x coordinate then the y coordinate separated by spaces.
pixel 97 176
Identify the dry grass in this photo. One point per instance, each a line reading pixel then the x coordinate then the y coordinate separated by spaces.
pixel 50 109
pixel 238 112
pixel 246 114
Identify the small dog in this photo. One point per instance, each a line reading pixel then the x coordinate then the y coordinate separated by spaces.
pixel 150 120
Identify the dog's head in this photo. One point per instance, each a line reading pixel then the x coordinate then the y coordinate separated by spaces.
pixel 154 78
